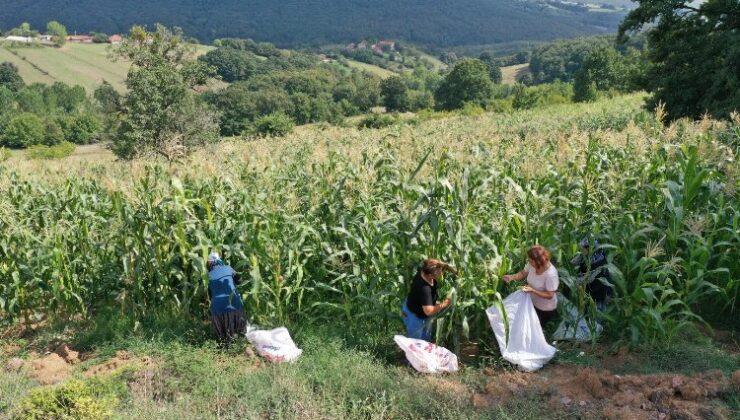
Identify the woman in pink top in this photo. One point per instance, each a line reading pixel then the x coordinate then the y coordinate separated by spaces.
pixel 542 283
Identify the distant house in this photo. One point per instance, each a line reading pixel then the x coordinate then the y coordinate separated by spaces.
pixel 23 39
pixel 386 45
pixel 85 39
pixel 115 39
pixel 46 38
pixel 362 45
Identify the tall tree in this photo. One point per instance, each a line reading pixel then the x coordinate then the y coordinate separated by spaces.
pixel 57 31
pixel 467 82
pixel 161 113
pixel 602 70
pixel 694 48
pixel 494 70
pixel 9 77
pixel 395 94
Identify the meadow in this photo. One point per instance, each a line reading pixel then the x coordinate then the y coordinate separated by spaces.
pixel 328 225
pixel 88 65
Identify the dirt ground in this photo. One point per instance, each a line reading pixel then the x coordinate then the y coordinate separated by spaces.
pixel 589 393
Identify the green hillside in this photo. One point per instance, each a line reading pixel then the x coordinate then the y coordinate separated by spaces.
pixel 432 23
pixel 87 65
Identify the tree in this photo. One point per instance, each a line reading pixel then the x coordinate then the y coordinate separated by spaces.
pixel 100 38
pixel 395 94
pixel 24 30
pixel 449 58
pixel 494 70
pixel 57 31
pixel 53 133
pixel 9 77
pixel 7 102
pixel 467 82
pixel 276 125
pixel 231 64
pixel 694 50
pixel 80 129
pixel 107 98
pixel 559 60
pixel 64 97
pixel 24 130
pixel 161 114
pixel 602 70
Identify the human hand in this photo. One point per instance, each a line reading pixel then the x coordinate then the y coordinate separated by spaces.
pixel 507 278
pixel 446 303
pixel 527 289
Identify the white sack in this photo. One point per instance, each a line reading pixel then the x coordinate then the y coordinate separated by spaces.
pixel 274 345
pixel 426 357
pixel 574 326
pixel 527 346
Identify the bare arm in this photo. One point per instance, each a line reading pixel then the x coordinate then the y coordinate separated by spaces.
pixel 516 277
pixel 430 310
pixel 544 294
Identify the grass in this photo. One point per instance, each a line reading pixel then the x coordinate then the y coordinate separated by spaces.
pixel 340 374
pixel 86 65
pixel 512 74
pixel 375 70
pixel 691 354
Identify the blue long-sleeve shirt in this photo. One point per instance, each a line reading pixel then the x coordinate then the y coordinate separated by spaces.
pixel 224 296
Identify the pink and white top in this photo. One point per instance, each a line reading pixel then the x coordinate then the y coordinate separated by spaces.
pixel 547 281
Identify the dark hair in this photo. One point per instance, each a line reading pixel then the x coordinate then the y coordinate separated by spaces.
pixel 539 255
pixel 432 266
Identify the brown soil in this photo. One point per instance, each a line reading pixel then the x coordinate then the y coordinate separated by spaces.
pixel 736 380
pixel 122 359
pixel 50 369
pixel 70 356
pixel 14 365
pixel 600 394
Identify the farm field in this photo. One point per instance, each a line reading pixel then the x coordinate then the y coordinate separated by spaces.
pixel 86 65
pixel 372 69
pixel 327 226
pixel 512 74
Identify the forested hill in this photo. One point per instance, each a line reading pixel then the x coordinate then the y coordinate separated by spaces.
pixel 439 23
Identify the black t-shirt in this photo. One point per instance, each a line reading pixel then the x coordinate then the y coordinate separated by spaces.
pixel 421 294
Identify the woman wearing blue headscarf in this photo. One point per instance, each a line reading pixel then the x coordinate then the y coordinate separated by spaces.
pixel 227 309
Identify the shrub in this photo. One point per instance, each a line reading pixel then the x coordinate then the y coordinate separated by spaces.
pixel 500 105
pixel 72 400
pixel 276 125
pixel 58 151
pixel 23 131
pixel 471 110
pixel 542 95
pixel 378 121
pixel 80 129
pixel 4 154
pixel 53 133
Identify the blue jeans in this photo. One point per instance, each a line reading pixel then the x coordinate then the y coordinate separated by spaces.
pixel 416 327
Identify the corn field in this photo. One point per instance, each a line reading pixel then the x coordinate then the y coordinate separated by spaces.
pixel 330 223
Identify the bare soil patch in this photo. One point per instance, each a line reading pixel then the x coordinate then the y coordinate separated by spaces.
pixel 601 394
pixel 120 361
pixel 50 369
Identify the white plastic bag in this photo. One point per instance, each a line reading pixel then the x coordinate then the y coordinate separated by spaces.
pixel 527 346
pixel 274 345
pixel 574 327
pixel 426 357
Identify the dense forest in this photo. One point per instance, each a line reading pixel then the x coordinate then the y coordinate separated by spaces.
pixel 300 23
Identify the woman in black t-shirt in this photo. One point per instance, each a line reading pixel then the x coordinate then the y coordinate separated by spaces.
pixel 421 301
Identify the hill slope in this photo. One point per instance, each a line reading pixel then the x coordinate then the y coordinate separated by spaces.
pixel 313 22
pixel 87 65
